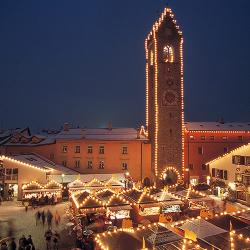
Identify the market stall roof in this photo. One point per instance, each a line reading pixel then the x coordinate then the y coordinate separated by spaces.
pixel 224 222
pixel 91 202
pixel 139 196
pixel 119 208
pixel 80 197
pixel 164 196
pixel 189 194
pixel 202 228
pixel 76 184
pixel 117 200
pixel 53 185
pixel 114 182
pixel 32 186
pixel 94 183
pixel 104 194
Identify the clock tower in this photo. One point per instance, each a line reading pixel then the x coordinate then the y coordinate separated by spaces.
pixel 164 96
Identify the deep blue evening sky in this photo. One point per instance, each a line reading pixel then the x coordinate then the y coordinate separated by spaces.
pixel 83 61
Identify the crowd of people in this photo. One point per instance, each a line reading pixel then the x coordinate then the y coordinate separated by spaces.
pixel 24 244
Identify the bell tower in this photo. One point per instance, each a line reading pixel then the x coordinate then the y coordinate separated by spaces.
pixel 164 95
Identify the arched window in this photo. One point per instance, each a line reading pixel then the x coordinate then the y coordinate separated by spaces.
pixel 168 54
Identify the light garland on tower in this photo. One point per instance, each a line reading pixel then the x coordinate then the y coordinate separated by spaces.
pixel 146 48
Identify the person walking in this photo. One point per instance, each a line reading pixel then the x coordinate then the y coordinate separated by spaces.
pixel 22 243
pixel 4 246
pixel 56 238
pixel 43 217
pixel 57 218
pixel 37 216
pixel 48 236
pixel 49 218
pixel 26 205
pixel 12 245
pixel 30 243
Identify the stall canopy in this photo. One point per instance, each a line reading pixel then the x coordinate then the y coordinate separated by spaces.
pixel 104 195
pixel 53 185
pixel 114 183
pixel 94 184
pixel 32 187
pixel 76 185
pixel 91 202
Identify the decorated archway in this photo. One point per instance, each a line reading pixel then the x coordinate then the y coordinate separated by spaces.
pixel 171 177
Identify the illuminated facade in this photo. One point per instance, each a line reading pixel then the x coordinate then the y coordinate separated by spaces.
pixel 164 94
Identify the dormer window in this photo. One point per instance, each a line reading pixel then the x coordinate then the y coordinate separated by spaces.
pixel 168 54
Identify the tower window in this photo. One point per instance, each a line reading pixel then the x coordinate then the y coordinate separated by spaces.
pixel 168 54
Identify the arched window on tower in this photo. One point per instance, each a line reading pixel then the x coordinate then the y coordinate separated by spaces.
pixel 168 54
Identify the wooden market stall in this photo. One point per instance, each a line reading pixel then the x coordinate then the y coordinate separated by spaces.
pixel 32 189
pixel 145 206
pixel 76 186
pixel 114 184
pixel 53 190
pixel 95 185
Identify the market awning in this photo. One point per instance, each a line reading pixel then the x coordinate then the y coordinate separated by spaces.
pixel 118 208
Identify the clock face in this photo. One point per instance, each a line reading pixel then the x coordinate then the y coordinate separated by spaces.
pixel 169 97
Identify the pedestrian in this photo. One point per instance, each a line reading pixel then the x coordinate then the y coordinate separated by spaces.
pixel 56 238
pixel 22 243
pixel 4 246
pixel 26 204
pixel 43 217
pixel 12 245
pixel 37 216
pixel 48 236
pixel 49 218
pixel 57 218
pixel 30 242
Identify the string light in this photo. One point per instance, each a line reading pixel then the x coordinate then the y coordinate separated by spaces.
pixel 45 169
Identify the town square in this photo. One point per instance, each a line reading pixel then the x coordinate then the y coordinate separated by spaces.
pixel 92 159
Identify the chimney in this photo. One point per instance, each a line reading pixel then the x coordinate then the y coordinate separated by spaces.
pixel 66 126
pixel 110 126
pixel 138 133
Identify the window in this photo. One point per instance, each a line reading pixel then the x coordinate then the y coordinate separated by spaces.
pixel 191 137
pixel 240 138
pixel 124 150
pixel 200 150
pixel 225 149
pixel 101 150
pixel 64 163
pixel 203 137
pixel 90 149
pixel 151 58
pixel 77 149
pixel 77 163
pixel 203 167
pixel 225 175
pixel 213 172
pixel 101 164
pixel 168 54
pixel 247 161
pixel 89 164
pixel 124 166
pixel 224 138
pixel 191 166
pixel 64 149
pixel 211 138
pixel 11 174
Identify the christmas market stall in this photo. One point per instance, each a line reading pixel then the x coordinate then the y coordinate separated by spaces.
pixel 53 192
pixel 152 236
pixel 146 208
pixel 32 189
pixel 171 206
pixel 76 185
pixel 95 185
pixel 114 184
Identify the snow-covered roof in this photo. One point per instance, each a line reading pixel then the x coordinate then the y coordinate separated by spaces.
pixel 39 162
pixel 217 126
pixel 100 134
